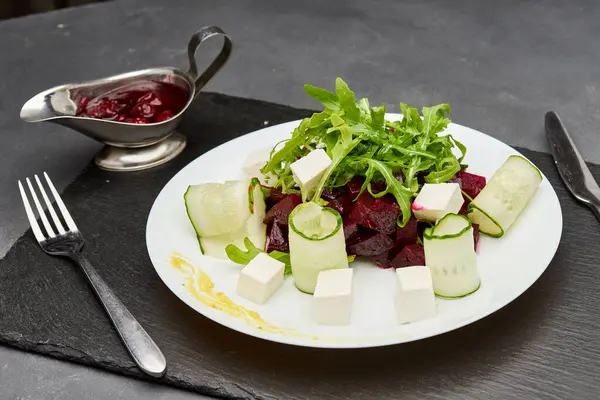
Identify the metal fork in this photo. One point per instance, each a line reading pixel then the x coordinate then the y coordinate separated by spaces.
pixel 69 243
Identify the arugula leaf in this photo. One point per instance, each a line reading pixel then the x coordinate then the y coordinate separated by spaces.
pixel 360 142
pixel 338 153
pixel 449 166
pixel 377 117
pixel 363 105
pixel 393 186
pixel 434 118
pixel 346 97
pixel 434 121
pixel 284 258
pixel 325 97
pixel 461 147
pixel 240 256
pixel 411 120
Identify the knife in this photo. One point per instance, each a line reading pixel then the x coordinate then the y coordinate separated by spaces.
pixel 571 165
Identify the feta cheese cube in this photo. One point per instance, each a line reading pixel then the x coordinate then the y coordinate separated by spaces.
pixel 260 278
pixel 254 162
pixel 332 299
pixel 415 299
pixel 308 170
pixel 436 200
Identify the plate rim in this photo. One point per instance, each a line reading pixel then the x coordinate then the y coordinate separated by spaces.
pixel 211 314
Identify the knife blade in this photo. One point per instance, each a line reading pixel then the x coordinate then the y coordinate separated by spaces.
pixel 570 164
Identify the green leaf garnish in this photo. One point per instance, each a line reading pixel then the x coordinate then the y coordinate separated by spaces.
pixel 284 258
pixel 325 97
pixel 240 256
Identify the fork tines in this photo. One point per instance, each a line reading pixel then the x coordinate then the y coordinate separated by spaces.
pixel 51 230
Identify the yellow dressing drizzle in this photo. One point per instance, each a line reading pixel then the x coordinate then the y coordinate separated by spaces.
pixel 201 287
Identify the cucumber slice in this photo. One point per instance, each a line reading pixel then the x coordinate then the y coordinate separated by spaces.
pixel 316 243
pixel 214 246
pixel 254 228
pixel 450 255
pixel 505 196
pixel 217 208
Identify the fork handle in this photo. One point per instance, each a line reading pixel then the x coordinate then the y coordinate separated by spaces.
pixel 595 206
pixel 140 345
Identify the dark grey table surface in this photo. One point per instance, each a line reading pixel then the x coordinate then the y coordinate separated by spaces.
pixel 501 65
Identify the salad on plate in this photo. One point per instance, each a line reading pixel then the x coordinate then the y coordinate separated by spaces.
pixel 348 183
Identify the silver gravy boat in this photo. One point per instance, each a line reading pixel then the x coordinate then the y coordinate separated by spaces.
pixel 129 146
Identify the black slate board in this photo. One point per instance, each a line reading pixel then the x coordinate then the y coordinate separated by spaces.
pixel 545 341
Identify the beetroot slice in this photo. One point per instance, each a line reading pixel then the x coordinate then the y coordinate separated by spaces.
pixel 275 196
pixel 382 260
pixel 469 183
pixel 370 244
pixel 378 186
pixel 465 207
pixel 277 239
pixel 331 194
pixel 280 212
pixel 354 186
pixel 408 234
pixel 382 215
pixel 410 255
pixel 342 204
pixel 350 231
pixel 361 208
pixel 356 183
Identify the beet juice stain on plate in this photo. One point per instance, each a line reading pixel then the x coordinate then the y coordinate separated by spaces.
pixel 142 102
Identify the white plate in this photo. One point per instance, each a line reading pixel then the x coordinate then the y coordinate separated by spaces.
pixel 508 266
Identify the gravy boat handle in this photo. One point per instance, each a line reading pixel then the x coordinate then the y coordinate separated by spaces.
pixel 195 42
